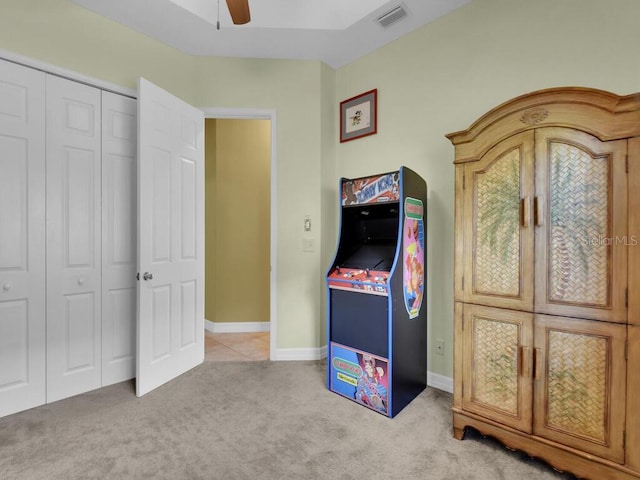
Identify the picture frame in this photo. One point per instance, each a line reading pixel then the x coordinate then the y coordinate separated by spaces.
pixel 359 116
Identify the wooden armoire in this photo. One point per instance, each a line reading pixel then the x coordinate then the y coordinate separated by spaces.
pixel 547 279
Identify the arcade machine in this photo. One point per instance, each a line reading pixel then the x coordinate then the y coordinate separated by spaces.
pixel 377 325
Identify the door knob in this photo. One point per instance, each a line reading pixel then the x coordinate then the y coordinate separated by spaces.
pixel 81 281
pixel 6 287
pixel 147 276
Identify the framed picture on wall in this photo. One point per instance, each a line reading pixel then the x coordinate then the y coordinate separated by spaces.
pixel 359 116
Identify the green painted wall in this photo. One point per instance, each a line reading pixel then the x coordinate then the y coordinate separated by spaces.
pixel 66 35
pixel 293 89
pixel 63 34
pixel 435 80
pixel 444 76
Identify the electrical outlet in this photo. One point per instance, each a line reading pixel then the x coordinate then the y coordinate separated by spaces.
pixel 439 347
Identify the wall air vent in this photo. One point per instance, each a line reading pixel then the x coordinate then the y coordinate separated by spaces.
pixel 392 16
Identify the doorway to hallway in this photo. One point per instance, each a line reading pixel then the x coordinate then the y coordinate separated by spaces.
pixel 238 237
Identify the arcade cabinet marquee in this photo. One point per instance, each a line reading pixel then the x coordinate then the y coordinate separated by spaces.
pixel 377 325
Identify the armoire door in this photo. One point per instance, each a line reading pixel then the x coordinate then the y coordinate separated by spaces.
pixel 170 237
pixel 497 368
pixel 498 233
pixel 581 225
pixel 580 384
pixel 74 360
pixel 22 238
pixel 119 230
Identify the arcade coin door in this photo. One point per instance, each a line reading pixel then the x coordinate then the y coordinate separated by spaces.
pixel 377 325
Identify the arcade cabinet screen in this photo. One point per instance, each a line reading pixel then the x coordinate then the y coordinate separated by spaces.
pixel 369 237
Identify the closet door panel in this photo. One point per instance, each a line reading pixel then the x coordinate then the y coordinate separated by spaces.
pixel 73 238
pixel 22 238
pixel 119 224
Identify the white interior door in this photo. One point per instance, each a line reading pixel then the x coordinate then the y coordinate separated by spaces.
pixel 170 237
pixel 22 238
pixel 73 238
pixel 119 227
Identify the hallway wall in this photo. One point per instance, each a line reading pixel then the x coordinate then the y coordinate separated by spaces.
pixel 237 217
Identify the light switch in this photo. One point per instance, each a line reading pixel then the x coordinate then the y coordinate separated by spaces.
pixel 307 223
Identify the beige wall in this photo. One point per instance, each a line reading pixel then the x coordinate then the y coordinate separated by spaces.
pixel 441 78
pixel 436 80
pixel 238 205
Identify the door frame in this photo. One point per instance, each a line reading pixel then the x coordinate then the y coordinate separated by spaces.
pixel 68 74
pixel 263 114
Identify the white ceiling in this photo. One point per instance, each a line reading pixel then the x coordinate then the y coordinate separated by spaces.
pixel 334 31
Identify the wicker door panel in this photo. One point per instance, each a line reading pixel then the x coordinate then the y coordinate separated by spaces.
pixel 580 384
pixel 581 229
pixel 497 367
pixel 499 244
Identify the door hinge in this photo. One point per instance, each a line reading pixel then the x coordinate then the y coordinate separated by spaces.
pixel 463 283
pixel 464 179
pixel 626 163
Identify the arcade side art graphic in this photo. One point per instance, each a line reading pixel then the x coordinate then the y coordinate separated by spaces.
pixel 413 278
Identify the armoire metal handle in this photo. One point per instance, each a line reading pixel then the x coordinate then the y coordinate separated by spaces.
pixel 524 211
pixel 537 212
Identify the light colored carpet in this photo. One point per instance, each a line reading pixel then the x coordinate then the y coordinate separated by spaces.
pixel 258 420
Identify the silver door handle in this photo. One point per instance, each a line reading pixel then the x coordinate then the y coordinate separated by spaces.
pixel 147 276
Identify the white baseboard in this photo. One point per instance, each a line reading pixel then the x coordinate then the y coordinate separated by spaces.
pixel 434 380
pixel 440 382
pixel 236 327
pixel 299 353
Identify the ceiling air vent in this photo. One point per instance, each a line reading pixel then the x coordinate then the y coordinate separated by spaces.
pixel 392 16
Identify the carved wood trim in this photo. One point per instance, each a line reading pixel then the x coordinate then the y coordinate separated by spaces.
pixel 533 116
pixel 603 114
pixel 558 456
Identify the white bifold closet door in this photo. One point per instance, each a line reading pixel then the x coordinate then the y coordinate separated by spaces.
pixel 74 356
pixel 91 238
pixel 22 238
pixel 119 230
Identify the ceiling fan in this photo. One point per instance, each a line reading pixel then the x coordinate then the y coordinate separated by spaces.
pixel 239 10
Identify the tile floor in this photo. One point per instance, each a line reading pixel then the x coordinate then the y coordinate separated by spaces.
pixel 236 347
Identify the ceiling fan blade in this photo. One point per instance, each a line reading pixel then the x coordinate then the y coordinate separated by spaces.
pixel 239 10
